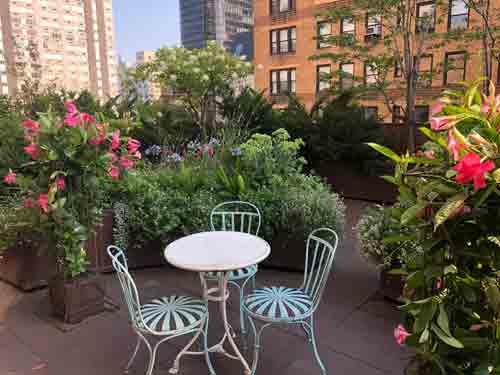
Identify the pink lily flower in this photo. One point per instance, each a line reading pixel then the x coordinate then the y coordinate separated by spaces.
pixel 60 183
pixel 115 140
pixel 43 202
pixel 471 169
pixel 70 107
pixel 32 150
pixel 114 172
pixel 126 163
pixel 400 334
pixel 10 178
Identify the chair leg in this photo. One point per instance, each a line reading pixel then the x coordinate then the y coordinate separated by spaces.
pixel 242 312
pixel 136 350
pixel 205 348
pixel 315 348
pixel 175 366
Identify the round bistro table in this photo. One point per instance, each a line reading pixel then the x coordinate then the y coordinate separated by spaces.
pixel 220 252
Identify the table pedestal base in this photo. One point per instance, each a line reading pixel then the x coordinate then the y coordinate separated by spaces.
pixel 216 294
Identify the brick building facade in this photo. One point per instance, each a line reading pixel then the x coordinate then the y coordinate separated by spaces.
pixel 286 35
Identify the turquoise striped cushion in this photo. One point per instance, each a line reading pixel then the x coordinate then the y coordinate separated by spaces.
pixel 174 313
pixel 278 303
pixel 238 274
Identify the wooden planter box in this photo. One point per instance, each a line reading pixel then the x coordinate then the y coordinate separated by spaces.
pixel 350 183
pixel 29 265
pixel 391 286
pixel 77 299
pixel 147 254
pixel 98 243
pixel 287 253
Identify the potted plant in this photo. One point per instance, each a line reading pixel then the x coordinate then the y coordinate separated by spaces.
pixel 383 241
pixel 59 188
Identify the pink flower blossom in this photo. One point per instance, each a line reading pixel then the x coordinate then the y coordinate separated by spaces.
pixel 113 157
pixel 86 118
pixel 400 334
pixel 454 146
pixel 471 169
pixel 71 120
pixel 137 155
pixel 437 108
pixel 70 107
pixel 114 172
pixel 60 183
pixel 28 203
pixel 133 145
pixel 43 202
pixel 115 140
pixel 429 154
pixel 440 123
pixel 126 163
pixel 10 178
pixel 475 327
pixel 33 150
pixel 101 136
pixel 31 126
pixel 439 284
pixel 485 108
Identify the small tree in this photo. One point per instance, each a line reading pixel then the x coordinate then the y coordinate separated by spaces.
pixel 197 78
pixel 399 41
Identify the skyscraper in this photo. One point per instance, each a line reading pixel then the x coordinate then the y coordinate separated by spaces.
pixel 66 43
pixel 219 20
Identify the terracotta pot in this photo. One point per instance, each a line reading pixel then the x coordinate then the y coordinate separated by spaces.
pixel 287 253
pixel 77 299
pixel 98 243
pixel 391 285
pixel 28 265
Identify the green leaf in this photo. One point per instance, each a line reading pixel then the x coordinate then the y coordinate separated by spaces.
pixel 493 295
pixel 443 321
pixel 434 137
pixel 450 269
pixel 496 175
pixel 484 195
pixel 425 316
pixel 411 213
pixel 449 208
pixel 390 179
pixel 415 279
pixel 385 151
pixel 447 339
pixel 424 336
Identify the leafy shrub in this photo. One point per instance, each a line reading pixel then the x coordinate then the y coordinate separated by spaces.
pixel 451 200
pixel 383 240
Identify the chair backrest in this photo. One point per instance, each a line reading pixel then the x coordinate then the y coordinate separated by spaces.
pixel 236 216
pixel 320 251
pixel 129 289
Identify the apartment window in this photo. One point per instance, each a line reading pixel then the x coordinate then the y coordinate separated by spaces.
pixel 371 113
pixel 397 115
pixel 458 15
pixel 425 70
pixel 283 40
pixel 454 67
pixel 398 72
pixel 282 6
pixel 426 17
pixel 346 75
pixel 347 25
pixel 373 26
pixel 283 81
pixel 421 114
pixel 370 74
pixel 323 73
pixel 324 32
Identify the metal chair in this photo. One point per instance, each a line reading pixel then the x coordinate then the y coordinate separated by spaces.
pixel 163 318
pixel 283 305
pixel 236 216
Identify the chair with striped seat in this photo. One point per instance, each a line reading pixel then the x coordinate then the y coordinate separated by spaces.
pixel 236 216
pixel 285 305
pixel 162 319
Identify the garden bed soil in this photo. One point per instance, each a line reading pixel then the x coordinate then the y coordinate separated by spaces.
pixel 350 183
pixel 77 299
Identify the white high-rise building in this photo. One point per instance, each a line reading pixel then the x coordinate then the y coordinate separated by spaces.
pixel 69 44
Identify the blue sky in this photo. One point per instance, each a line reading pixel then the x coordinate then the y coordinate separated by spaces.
pixel 145 25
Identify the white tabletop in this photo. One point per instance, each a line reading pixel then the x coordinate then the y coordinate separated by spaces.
pixel 217 251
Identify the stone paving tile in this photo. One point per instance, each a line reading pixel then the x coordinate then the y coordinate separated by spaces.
pixel 354 328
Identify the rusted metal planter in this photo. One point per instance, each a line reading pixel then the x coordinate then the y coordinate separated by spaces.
pixel 77 299
pixel 287 253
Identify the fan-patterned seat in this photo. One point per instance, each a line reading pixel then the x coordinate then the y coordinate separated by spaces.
pixel 173 313
pixel 278 303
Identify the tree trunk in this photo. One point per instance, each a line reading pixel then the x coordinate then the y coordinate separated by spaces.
pixel 410 112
